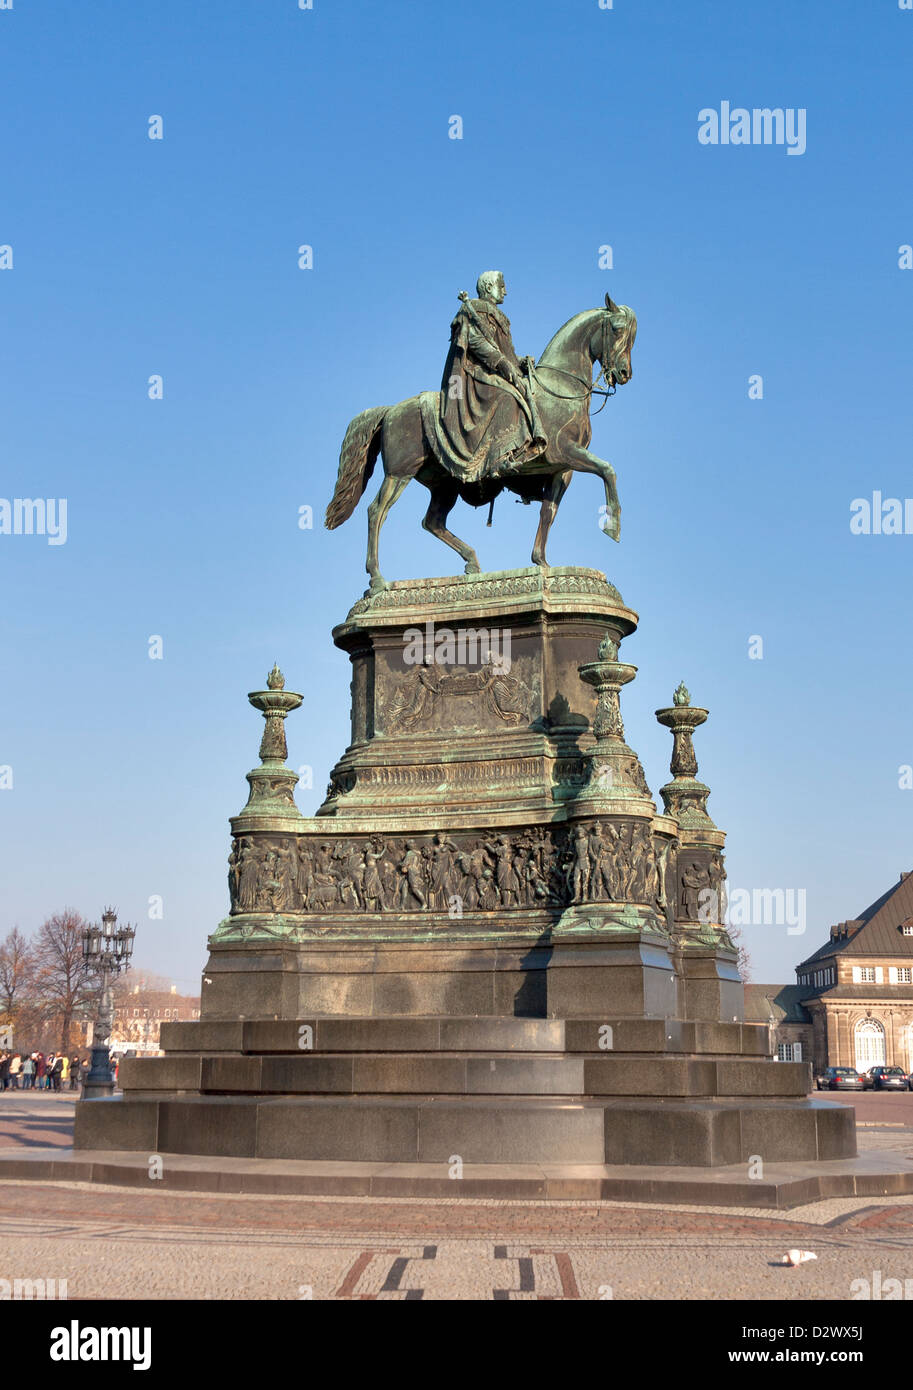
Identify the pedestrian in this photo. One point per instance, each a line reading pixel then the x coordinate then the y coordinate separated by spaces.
pixel 74 1071
pixel 57 1071
pixel 64 1071
pixel 28 1072
pixel 83 1070
pixel 4 1071
pixel 41 1068
pixel 15 1068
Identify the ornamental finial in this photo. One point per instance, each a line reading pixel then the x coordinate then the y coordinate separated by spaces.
pixel 682 695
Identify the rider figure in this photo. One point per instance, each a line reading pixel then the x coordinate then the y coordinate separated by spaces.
pixel 486 423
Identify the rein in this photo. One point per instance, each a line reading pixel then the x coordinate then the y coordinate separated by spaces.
pixel 590 389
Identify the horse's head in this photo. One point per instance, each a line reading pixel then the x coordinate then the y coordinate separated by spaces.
pixel 619 332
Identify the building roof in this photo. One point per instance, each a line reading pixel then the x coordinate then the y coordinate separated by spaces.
pixel 775 1004
pixel 878 931
pixel 889 993
pixel 156 999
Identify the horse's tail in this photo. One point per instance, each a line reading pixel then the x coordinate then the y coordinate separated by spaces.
pixel 357 458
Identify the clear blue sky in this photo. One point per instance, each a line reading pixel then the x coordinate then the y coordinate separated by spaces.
pixel 330 127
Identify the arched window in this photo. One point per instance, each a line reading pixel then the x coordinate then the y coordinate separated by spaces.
pixel 870 1044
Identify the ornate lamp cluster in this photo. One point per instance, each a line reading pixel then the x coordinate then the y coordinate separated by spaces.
pixel 106 951
pixel 106 946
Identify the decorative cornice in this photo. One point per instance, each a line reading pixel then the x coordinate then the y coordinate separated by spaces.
pixel 566 581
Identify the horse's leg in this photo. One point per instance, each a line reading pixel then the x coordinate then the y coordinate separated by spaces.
pixel 557 488
pixel 582 461
pixel 387 493
pixel 443 496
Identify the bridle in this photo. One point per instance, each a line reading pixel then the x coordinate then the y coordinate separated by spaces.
pixel 590 389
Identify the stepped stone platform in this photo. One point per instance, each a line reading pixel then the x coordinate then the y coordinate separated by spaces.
pixel 779 1187
pixel 489 949
pixel 481 1090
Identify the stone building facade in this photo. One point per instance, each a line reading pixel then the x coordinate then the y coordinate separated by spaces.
pixel 852 1004
pixel 140 1013
pixel 780 1008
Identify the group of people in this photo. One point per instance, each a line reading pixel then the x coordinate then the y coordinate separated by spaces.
pixel 33 1071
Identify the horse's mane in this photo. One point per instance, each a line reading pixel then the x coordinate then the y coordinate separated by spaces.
pixel 624 325
pixel 559 340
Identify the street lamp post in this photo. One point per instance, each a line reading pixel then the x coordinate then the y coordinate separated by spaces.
pixel 106 950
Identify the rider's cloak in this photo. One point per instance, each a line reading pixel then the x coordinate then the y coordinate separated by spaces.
pixel 480 425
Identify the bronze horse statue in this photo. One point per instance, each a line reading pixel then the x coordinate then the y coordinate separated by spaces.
pixel 564 388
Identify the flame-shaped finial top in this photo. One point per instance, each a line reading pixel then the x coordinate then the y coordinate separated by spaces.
pixel 608 648
pixel 275 680
pixel 682 695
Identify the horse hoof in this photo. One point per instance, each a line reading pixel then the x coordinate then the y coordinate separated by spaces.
pixel 472 567
pixel 377 585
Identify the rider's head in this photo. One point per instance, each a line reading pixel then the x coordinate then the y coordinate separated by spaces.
pixel 490 285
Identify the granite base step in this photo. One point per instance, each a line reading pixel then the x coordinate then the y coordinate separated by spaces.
pixel 459 1073
pixel 472 1129
pixel 782 1186
pixel 466 1034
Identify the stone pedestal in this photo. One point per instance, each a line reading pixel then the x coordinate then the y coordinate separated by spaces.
pixel 479 850
pixel 488 941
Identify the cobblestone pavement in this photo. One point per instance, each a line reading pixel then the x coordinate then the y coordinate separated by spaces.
pixel 118 1242
pixel 36 1119
pixel 875 1107
pixel 129 1243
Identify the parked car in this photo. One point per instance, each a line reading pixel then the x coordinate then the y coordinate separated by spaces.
pixel 840 1079
pixel 886 1079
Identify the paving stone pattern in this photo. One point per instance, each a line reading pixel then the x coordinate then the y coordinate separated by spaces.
pixel 111 1242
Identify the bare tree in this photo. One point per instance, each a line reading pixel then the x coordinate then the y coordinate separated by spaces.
pixel 61 985
pixel 737 937
pixel 16 972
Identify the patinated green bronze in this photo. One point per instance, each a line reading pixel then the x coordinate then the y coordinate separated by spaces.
pixel 485 423
pixel 488 941
pixel 496 423
pixel 701 875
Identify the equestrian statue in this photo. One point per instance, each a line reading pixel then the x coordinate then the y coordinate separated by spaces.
pixel 497 422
